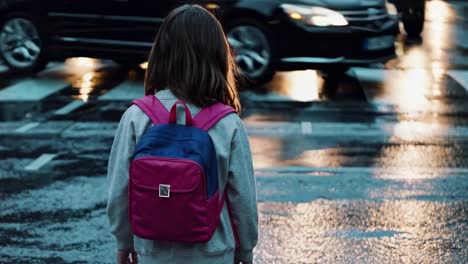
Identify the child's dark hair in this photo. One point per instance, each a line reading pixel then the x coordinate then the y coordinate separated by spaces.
pixel 192 58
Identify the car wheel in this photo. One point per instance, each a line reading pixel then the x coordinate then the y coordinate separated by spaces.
pixel 22 46
pixel 413 21
pixel 253 50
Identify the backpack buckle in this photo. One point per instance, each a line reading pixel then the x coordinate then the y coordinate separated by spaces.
pixel 164 190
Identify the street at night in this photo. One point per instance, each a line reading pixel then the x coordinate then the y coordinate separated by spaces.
pixel 367 167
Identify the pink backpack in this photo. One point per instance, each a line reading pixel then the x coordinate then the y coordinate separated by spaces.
pixel 173 188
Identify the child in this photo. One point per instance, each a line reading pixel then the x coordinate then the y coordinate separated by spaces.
pixel 190 61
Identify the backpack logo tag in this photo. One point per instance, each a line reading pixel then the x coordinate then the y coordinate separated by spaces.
pixel 164 190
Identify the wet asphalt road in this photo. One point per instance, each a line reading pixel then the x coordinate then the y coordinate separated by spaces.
pixel 370 168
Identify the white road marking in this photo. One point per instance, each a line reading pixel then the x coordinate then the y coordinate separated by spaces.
pixel 27 127
pixel 32 90
pixel 40 162
pixel 461 77
pixel 404 130
pixel 126 91
pixel 371 74
pixel 267 97
pixel 306 128
pixel 70 107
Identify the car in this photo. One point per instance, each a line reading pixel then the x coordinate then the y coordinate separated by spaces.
pixel 266 35
pixel 412 13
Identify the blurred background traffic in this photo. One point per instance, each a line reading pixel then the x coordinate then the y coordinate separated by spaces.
pixel 301 49
pixel 266 35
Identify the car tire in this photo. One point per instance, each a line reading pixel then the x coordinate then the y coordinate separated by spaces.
pixel 254 50
pixel 413 21
pixel 28 52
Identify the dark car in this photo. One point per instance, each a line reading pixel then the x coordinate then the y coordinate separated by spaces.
pixel 266 35
pixel 412 14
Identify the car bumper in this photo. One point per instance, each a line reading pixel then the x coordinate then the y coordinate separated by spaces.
pixel 306 47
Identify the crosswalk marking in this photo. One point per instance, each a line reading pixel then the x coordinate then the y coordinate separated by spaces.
pixel 381 75
pixel 126 91
pixel 40 162
pixel 402 130
pixel 420 131
pixel 70 107
pixel 369 76
pixel 461 77
pixel 32 90
pixel 391 93
pixel 27 127
pixel 269 97
pixel 306 128
pixel 372 74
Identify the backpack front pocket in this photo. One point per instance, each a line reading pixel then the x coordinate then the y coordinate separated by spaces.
pixel 167 199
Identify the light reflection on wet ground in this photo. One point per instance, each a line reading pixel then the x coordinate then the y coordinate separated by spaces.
pixel 366 221
pixel 84 79
pixel 410 81
pixel 414 84
pixel 381 188
pixel 85 85
pixel 362 232
pixel 303 86
pixel 372 154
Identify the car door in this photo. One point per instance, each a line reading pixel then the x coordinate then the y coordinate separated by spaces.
pixel 90 23
pixel 149 15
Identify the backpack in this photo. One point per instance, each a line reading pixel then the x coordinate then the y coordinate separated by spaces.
pixel 173 187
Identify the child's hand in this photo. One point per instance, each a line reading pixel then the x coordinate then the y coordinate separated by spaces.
pixel 128 256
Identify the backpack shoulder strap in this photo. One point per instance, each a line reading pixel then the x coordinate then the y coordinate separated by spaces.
pixel 209 116
pixel 153 108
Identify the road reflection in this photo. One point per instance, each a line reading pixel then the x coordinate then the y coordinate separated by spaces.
pixel 81 64
pixel 86 76
pixel 296 151
pixel 266 151
pixel 85 85
pixel 414 84
pixel 439 34
pixel 423 66
pixel 413 89
pixel 416 75
pixel 360 232
pixel 303 86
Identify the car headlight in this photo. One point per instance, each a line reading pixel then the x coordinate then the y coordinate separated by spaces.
pixel 314 16
pixel 391 9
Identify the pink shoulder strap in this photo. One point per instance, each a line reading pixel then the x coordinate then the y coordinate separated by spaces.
pixel 153 108
pixel 209 116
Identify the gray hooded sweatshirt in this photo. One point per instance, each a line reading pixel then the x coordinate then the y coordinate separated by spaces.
pixel 236 178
